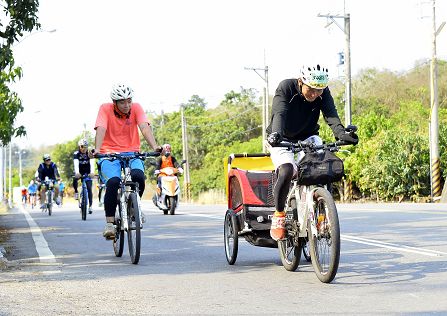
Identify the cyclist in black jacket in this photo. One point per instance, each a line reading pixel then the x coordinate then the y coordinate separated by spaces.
pixel 295 112
pixel 83 165
pixel 47 169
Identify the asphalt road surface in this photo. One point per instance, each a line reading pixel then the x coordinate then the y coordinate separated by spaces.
pixel 393 261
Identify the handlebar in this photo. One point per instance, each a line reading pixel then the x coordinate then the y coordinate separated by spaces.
pixel 127 156
pixel 309 146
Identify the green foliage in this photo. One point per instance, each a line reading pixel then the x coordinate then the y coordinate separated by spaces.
pixel 391 161
pixel 211 133
pixel 19 16
pixel 11 106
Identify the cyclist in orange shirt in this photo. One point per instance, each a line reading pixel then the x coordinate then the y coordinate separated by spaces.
pixel 116 128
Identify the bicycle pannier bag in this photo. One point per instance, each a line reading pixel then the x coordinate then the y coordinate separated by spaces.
pixel 320 168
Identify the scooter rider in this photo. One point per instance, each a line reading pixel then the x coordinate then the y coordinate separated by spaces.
pixel 165 160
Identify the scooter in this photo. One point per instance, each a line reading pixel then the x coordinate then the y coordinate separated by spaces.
pixel 167 199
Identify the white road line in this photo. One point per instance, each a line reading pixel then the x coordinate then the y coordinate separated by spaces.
pixel 359 240
pixel 376 243
pixel 208 216
pixel 45 254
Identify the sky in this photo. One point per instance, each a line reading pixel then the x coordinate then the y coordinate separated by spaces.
pixel 170 50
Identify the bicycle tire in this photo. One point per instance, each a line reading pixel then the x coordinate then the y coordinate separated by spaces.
pixel 134 231
pixel 231 241
pixel 290 247
pixel 325 246
pixel 50 203
pixel 84 203
pixel 118 241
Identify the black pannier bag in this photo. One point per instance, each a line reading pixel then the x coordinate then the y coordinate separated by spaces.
pixel 320 168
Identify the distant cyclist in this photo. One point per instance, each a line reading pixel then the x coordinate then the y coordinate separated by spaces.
pixel 47 169
pixel 32 190
pixel 61 191
pixel 116 128
pixel 295 113
pixel 24 195
pixel 83 166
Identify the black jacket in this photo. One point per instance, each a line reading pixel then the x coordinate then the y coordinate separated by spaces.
pixel 48 171
pixel 297 119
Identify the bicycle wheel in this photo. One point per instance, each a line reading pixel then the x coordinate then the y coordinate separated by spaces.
pixel 230 237
pixel 50 203
pixel 118 241
pixel 84 203
pixel 134 231
pixel 290 247
pixel 325 245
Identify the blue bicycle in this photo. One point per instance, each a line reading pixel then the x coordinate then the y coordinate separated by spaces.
pixel 128 213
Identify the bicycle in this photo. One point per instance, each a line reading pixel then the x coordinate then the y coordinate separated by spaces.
pixel 49 196
pixel 128 213
pixel 83 197
pixel 312 219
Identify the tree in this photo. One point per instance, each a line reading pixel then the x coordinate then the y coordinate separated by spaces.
pixel 18 16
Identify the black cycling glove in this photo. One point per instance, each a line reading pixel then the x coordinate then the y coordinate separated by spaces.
pixel 350 138
pixel 274 138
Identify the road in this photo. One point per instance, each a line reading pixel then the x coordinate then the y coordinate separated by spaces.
pixel 393 261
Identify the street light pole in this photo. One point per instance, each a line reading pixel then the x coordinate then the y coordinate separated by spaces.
pixel 20 152
pixel 347 31
pixel 33 33
pixel 10 178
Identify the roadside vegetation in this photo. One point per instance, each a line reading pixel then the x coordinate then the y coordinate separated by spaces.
pixel 391 110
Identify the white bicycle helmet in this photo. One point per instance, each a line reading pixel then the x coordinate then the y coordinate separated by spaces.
pixel 316 77
pixel 121 92
pixel 46 157
pixel 166 148
pixel 83 142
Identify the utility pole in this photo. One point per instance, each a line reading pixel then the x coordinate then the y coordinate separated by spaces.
pixel 10 178
pixel 4 172
pixel 185 156
pixel 347 58
pixel 434 124
pixel 2 175
pixel 265 105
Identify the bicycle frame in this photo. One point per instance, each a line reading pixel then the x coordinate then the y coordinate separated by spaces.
pixel 124 191
pixel 305 207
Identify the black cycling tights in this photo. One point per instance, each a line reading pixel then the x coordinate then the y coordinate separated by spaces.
pixel 112 186
pixel 282 185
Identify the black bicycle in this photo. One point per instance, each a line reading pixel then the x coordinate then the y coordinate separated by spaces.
pixel 128 213
pixel 49 195
pixel 83 197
